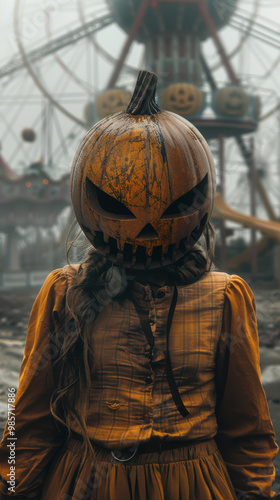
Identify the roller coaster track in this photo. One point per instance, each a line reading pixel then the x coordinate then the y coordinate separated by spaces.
pixel 87 29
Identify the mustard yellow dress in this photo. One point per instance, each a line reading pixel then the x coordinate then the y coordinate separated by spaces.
pixel 229 442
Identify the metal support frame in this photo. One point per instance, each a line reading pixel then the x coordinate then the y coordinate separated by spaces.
pixel 136 24
pixel 243 150
pixel 213 32
pixel 59 43
pixel 258 183
pixel 208 73
pixel 234 79
pixel 13 260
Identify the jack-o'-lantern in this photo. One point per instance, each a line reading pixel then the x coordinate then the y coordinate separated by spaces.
pixel 182 98
pixel 231 101
pixel 28 135
pixel 143 183
pixel 112 101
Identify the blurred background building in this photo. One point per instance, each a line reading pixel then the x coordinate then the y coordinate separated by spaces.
pixel 65 64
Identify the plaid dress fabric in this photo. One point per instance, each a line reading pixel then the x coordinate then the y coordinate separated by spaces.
pixel 213 345
pixel 130 398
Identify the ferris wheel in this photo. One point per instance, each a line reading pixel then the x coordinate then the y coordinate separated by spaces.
pixel 52 84
pixel 77 61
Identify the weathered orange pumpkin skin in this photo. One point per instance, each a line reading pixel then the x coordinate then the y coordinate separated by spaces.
pixel 231 101
pixel 145 162
pixel 182 98
pixel 112 101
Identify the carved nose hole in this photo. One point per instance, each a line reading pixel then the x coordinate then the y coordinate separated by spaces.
pixel 148 232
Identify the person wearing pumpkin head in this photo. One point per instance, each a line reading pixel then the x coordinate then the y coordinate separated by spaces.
pixel 140 376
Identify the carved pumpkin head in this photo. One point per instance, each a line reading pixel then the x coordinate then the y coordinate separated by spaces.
pixel 143 183
pixel 231 101
pixel 182 98
pixel 112 101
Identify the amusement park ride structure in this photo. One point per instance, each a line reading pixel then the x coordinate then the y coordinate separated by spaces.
pixel 172 34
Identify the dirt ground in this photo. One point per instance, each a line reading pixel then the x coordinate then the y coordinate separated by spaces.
pixel 15 308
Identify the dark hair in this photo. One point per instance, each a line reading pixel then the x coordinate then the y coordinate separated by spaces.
pixel 83 301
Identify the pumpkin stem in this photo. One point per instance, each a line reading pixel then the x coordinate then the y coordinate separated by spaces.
pixel 143 98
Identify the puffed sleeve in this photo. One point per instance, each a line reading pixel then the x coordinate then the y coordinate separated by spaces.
pixel 245 437
pixel 36 438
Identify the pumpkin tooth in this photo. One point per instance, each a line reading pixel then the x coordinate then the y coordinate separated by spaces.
pixel 148 262
pixel 106 238
pixel 167 260
pixel 176 254
pixel 180 254
pixel 172 252
pixel 149 251
pixel 165 248
pixel 127 252
pixel 119 258
pixel 133 262
pixel 120 245
pixel 186 243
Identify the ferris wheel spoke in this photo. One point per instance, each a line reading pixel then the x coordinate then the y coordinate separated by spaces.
pixel 99 47
pixel 263 58
pixel 244 37
pixel 63 81
pixel 259 185
pixel 219 45
pixel 21 87
pixel 62 144
pixel 270 112
pixel 273 67
pixel 64 66
pixel 58 151
pixel 132 33
pixel 35 77
pixel 66 76
pixel 263 37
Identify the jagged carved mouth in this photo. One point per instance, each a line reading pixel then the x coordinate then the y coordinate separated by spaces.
pixel 139 259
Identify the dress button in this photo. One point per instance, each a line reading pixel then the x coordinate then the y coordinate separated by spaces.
pixel 160 294
pixel 148 380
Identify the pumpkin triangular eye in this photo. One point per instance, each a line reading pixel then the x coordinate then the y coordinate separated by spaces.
pixel 189 202
pixel 99 199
